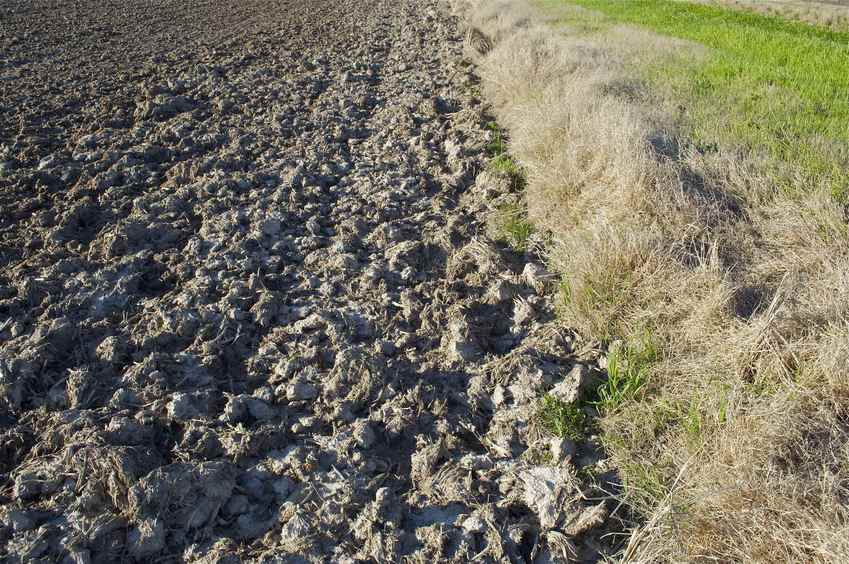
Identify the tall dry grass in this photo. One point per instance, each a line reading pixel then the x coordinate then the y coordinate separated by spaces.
pixel 737 448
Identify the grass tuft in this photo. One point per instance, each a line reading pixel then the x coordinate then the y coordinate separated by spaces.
pixel 510 220
pixel 512 226
pixel 628 367
pixel 561 419
pixel 500 160
pixel 496 145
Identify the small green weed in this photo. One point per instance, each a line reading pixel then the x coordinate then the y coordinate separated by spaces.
pixel 501 162
pixel 496 146
pixel 512 227
pixel 506 165
pixel 627 371
pixel 566 291
pixel 692 423
pixel 561 419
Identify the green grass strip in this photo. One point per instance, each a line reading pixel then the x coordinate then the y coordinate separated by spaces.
pixel 773 85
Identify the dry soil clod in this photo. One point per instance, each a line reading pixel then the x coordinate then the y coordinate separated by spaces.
pixel 248 309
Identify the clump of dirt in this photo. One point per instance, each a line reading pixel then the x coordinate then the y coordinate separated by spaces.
pixel 248 309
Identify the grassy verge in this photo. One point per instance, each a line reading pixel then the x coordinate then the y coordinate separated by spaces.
pixel 717 256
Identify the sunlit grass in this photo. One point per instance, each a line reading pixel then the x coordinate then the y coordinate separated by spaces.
pixel 774 87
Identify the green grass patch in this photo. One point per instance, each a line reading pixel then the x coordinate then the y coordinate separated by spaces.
pixel 693 424
pixel 496 145
pixel 506 165
pixel 628 368
pixel 511 220
pixel 561 419
pixel 500 160
pixel 512 226
pixel 565 291
pixel 776 87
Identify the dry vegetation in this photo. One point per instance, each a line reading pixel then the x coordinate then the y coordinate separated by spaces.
pixel 833 14
pixel 733 446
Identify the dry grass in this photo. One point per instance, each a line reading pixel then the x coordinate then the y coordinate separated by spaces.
pixel 833 14
pixel 736 447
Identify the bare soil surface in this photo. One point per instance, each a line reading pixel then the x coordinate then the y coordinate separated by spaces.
pixel 248 310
